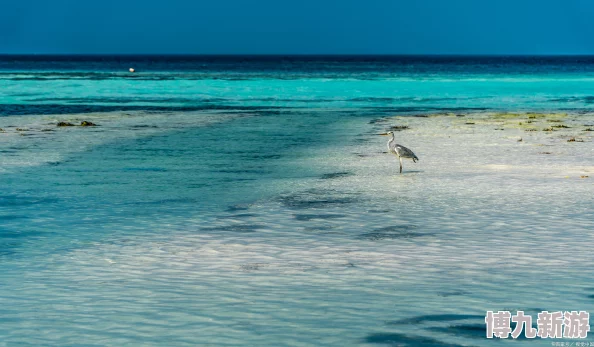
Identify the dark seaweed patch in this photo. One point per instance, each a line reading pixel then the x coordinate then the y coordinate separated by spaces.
pixel 454 293
pixel 236 208
pixel 379 120
pixel 316 199
pixel 316 203
pixel 398 128
pixel 392 232
pixel 335 175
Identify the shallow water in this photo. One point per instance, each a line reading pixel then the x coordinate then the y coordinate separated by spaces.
pixel 263 210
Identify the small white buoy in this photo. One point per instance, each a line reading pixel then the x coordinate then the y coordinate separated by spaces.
pixel 131 70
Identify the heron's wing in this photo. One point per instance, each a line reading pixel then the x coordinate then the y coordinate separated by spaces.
pixel 405 152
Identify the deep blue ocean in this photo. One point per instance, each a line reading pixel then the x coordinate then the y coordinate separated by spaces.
pixel 246 200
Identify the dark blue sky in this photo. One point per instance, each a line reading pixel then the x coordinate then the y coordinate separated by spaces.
pixel 297 27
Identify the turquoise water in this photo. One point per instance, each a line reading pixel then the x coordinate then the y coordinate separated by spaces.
pixel 250 202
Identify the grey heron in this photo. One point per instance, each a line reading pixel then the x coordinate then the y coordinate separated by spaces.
pixel 400 151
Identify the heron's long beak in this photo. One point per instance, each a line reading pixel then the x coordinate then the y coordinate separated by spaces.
pixel 384 134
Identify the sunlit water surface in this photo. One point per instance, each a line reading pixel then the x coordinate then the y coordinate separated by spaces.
pixel 217 205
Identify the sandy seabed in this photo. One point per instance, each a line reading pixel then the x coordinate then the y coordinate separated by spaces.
pixel 496 215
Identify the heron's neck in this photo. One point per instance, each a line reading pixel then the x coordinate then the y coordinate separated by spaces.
pixel 392 139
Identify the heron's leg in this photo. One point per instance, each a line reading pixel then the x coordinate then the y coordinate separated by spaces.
pixel 400 158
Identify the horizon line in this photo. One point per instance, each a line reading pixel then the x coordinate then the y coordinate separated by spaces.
pixel 292 55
